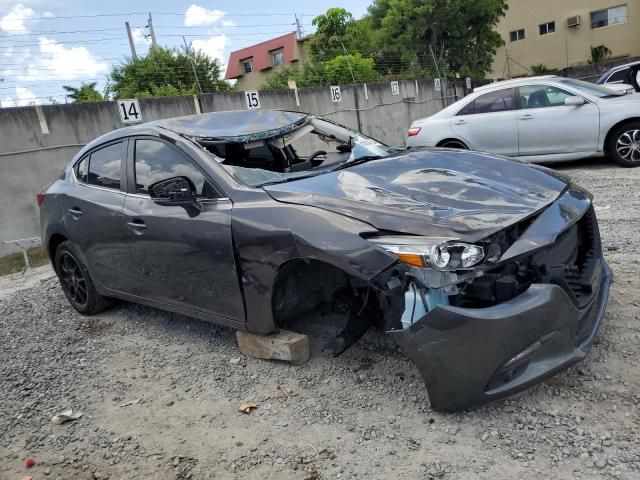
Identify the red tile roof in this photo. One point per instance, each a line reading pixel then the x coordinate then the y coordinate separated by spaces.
pixel 260 55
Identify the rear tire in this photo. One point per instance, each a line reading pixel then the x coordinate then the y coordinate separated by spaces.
pixel 623 145
pixel 454 144
pixel 76 282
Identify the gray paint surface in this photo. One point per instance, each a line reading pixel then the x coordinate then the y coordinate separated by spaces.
pixel 381 115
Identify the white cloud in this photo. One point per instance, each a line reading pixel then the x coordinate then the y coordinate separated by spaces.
pixel 57 61
pixel 14 20
pixel 139 37
pixel 23 97
pixel 212 46
pixel 228 23
pixel 197 16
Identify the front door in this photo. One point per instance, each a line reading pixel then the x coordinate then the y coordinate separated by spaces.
pixel 180 255
pixel 488 123
pixel 547 126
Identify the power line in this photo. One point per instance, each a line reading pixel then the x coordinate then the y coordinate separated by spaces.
pixel 176 27
pixel 99 15
pixel 102 40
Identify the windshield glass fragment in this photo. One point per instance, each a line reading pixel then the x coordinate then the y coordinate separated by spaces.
pixel 315 147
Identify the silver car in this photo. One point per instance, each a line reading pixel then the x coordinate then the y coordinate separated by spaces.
pixel 538 119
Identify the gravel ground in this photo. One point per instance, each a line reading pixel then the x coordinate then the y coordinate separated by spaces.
pixel 159 393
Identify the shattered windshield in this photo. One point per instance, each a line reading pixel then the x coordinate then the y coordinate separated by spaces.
pixel 313 148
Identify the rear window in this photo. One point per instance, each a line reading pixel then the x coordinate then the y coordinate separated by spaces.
pixel 500 101
pixel 105 166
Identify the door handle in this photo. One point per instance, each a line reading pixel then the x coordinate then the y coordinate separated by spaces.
pixel 460 122
pixel 526 117
pixel 75 212
pixel 137 226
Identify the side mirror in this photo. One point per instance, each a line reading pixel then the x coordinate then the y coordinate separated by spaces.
pixel 574 101
pixel 174 191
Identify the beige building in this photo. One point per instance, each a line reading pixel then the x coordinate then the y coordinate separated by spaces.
pixel 251 66
pixel 559 33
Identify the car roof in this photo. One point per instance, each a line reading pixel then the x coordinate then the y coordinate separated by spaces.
pixel 229 126
pixel 235 125
pixel 514 82
pixel 622 67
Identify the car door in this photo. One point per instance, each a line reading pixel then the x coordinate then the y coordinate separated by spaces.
pixel 180 255
pixel 93 213
pixel 489 123
pixel 547 126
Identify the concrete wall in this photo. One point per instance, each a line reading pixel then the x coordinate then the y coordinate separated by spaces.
pixel 30 158
pixel 567 46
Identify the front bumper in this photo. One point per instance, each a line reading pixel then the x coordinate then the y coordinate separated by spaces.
pixel 466 355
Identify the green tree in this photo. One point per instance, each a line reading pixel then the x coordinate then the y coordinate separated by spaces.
pixel 87 93
pixel 450 36
pixel 539 69
pixel 350 69
pixel 341 70
pixel 598 55
pixel 333 30
pixel 165 72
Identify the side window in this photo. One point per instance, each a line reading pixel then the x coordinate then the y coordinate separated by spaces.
pixel 500 101
pixel 619 77
pixel 156 161
pixel 82 170
pixel 105 166
pixel 468 109
pixel 540 96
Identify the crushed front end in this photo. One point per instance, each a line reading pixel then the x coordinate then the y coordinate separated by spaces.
pixel 529 310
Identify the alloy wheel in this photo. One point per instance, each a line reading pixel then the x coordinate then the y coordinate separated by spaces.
pixel 73 279
pixel 628 146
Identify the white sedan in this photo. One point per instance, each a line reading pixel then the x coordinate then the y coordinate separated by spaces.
pixel 538 119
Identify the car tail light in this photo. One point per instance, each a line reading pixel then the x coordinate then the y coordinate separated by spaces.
pixel 40 198
pixel 413 131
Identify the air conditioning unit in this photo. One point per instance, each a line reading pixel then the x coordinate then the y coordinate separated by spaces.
pixel 573 22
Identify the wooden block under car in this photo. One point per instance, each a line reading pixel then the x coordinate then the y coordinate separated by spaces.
pixel 284 345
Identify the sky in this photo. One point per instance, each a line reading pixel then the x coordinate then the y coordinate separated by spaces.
pixel 45 44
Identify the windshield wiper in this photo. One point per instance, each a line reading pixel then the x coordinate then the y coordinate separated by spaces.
pixel 358 161
pixel 284 180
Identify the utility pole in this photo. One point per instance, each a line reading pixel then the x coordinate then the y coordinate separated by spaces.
pixel 152 33
pixel 131 44
pixel 193 65
pixel 298 28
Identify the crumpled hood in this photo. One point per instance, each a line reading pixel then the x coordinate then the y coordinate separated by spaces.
pixel 445 193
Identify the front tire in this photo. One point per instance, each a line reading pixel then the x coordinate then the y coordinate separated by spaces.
pixel 76 282
pixel 623 145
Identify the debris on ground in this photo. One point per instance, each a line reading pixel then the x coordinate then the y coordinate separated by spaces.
pixel 66 416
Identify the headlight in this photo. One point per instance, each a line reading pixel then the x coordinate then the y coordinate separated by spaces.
pixel 438 253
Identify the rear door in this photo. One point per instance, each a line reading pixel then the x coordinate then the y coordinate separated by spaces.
pixel 547 126
pixel 93 213
pixel 180 255
pixel 489 123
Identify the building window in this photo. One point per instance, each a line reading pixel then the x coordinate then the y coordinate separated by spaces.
pixel 547 28
pixel 277 58
pixel 609 16
pixel 247 65
pixel 517 35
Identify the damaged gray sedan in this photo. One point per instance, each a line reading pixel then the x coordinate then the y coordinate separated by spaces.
pixel 486 271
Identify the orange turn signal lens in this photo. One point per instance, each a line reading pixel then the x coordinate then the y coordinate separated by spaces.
pixel 411 259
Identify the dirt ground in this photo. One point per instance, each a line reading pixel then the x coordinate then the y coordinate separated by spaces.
pixel 159 393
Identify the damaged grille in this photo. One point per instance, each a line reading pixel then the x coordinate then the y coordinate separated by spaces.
pixel 573 262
